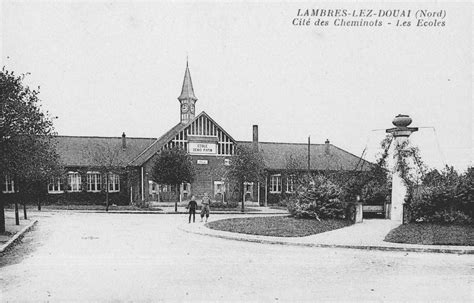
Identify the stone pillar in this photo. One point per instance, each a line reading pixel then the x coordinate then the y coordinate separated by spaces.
pixel 399 190
pixel 400 133
pixel 359 212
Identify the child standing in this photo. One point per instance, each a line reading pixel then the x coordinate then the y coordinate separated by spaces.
pixel 205 207
pixel 192 209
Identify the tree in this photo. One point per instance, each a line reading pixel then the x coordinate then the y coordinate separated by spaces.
pixel 173 167
pixel 294 166
pixel 107 160
pixel 26 133
pixel 246 166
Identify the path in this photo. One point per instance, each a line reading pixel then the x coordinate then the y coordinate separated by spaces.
pixel 140 257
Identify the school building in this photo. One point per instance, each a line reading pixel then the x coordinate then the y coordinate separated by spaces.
pixel 88 163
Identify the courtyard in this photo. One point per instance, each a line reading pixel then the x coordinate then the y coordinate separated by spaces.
pixel 148 257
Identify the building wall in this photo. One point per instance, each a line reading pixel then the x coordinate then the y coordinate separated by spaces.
pixel 71 198
pixel 208 169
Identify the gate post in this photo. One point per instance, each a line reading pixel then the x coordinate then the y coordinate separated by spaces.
pixel 358 212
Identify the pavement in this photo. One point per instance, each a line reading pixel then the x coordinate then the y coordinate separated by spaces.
pixel 369 234
pixel 16 231
pixel 99 257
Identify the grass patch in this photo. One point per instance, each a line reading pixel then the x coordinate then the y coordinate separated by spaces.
pixel 277 226
pixel 236 209
pixel 432 234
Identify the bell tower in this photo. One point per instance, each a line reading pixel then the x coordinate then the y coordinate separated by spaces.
pixel 187 99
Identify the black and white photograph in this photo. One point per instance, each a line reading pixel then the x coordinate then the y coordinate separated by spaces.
pixel 236 151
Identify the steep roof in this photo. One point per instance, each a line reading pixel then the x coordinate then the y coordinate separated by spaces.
pixel 81 150
pixel 277 155
pixel 187 92
pixel 169 135
pixel 156 145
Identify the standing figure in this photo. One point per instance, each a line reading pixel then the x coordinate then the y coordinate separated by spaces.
pixel 205 206
pixel 192 209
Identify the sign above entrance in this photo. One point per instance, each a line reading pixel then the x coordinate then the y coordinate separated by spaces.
pixel 202 148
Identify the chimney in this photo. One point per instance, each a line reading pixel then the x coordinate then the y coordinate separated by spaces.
pixel 255 136
pixel 124 141
pixel 326 147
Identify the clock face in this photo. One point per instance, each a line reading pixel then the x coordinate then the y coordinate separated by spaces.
pixel 184 107
pixel 191 107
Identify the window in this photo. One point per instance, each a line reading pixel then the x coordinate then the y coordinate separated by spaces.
pixel 248 187
pixel 114 183
pixel 219 187
pixel 153 187
pixel 290 184
pixel 73 181
pixel 55 185
pixel 167 188
pixel 275 183
pixel 8 185
pixel 93 181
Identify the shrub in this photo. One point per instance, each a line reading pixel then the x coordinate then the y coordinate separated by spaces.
pixel 223 205
pixel 451 217
pixel 374 193
pixel 320 199
pixel 446 197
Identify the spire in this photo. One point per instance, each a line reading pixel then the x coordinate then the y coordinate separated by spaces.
pixel 187 92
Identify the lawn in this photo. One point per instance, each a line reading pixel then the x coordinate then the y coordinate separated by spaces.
pixel 432 234
pixel 277 226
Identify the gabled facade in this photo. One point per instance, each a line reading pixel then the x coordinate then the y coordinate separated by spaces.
pixel 123 165
pixel 211 149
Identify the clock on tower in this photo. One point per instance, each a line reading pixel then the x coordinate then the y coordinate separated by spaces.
pixel 184 107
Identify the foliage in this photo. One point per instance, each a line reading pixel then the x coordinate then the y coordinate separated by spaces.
pixel 26 136
pixel 247 165
pixel 320 199
pixel 173 167
pixel 444 197
pixel 106 158
pixel 432 234
pixel 370 183
pixel 409 164
pixel 227 205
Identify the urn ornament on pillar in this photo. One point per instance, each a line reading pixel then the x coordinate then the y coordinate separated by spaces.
pixel 400 134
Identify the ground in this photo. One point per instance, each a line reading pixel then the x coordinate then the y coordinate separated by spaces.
pixel 145 257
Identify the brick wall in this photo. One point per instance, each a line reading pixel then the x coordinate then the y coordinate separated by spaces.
pixel 210 169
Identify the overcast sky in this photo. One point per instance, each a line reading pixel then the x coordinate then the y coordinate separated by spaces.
pixel 107 68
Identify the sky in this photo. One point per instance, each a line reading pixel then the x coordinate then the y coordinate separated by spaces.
pixel 110 67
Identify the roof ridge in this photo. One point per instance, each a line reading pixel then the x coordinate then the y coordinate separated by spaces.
pixel 101 137
pixel 284 143
pixel 158 139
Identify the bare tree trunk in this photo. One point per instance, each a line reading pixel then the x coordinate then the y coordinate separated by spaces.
pixel 24 210
pixel 17 217
pixel 179 196
pixel 243 197
pixel 2 215
pixel 106 192
pixel 39 204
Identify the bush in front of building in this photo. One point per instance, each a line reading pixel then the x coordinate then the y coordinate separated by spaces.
pixel 445 197
pixel 86 198
pixel 319 199
pixel 220 205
